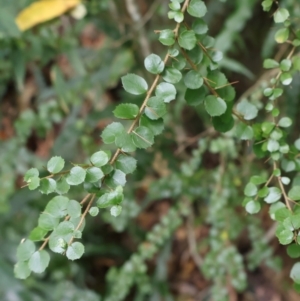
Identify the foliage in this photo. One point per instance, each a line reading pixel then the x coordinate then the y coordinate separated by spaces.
pixel 257 174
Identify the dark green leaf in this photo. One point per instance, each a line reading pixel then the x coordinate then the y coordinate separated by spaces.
pixel 195 97
pixel 200 27
pixel 37 234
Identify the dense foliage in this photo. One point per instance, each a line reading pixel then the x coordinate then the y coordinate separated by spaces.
pixel 95 156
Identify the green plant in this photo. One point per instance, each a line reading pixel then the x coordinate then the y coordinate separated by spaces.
pixel 190 65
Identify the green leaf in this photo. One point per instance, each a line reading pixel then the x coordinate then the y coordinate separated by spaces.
pixel 56 243
pixel 297 144
pixel 282 35
pixel 270 63
pixel 154 64
pixel 197 8
pixel 282 214
pixel 143 137
pixel 166 91
pixel 294 193
pixel 285 65
pixel 37 234
pixel 65 230
pixel 118 178
pixel 295 273
pixel 126 111
pixel 25 250
pixel 281 15
pixel 293 250
pixel 75 250
pixel 195 97
pixel 116 210
pixel 222 124
pixel 187 39
pixel 33 183
pixel 155 126
pixel 74 209
pixel 93 174
pixel 178 16
pixel 134 84
pixel 99 159
pixel 175 5
pixel 57 207
pixel 253 207
pixel 126 164
pixel 155 108
pixel 39 261
pixel 21 270
pixel 112 131
pixel 263 192
pixel 286 78
pixel 31 173
pixel 55 164
pixel 215 106
pixel 171 75
pixel 94 211
pixel 247 109
pixel 77 174
pixel 47 186
pixel 200 27
pixel 62 186
pixel 47 221
pixel 258 180
pixel 273 196
pixel 193 80
pixel 250 190
pixel 285 122
pixel 110 199
pixel 125 142
pixel 272 145
pixel 179 63
pixel 244 131
pixel 167 37
pixel 275 207
pixel 285 237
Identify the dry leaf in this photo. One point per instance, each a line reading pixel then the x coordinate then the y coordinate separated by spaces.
pixel 42 11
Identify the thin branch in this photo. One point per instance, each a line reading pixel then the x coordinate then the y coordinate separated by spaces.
pixel 150 91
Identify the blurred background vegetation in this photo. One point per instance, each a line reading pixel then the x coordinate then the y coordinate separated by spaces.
pixel 59 83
